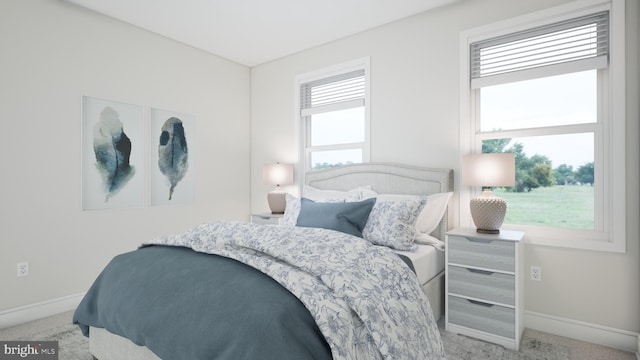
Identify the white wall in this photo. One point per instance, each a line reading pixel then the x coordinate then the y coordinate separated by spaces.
pixel 414 120
pixel 52 53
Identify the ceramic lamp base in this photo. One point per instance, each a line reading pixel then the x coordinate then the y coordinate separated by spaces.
pixel 488 213
pixel 277 201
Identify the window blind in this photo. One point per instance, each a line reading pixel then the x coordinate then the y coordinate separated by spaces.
pixel 577 44
pixel 338 91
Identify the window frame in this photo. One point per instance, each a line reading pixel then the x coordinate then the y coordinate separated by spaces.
pixel 304 121
pixel 609 133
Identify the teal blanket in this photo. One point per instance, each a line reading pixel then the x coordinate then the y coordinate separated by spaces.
pixel 183 304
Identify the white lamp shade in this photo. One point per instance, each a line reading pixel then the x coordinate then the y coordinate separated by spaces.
pixel 277 174
pixel 489 169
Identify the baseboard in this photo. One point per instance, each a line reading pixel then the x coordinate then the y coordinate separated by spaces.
pixel 579 330
pixel 23 314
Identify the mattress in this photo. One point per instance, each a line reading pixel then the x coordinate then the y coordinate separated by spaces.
pixel 427 260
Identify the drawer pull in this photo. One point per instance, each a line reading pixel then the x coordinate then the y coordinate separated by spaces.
pixel 475 302
pixel 484 241
pixel 484 272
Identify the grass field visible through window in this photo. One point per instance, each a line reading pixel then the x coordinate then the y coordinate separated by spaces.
pixel 554 206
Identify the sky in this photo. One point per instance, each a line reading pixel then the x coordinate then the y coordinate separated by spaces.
pixel 574 149
pixel 565 100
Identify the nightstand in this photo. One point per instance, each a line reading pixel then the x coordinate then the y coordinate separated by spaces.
pixel 483 287
pixel 266 218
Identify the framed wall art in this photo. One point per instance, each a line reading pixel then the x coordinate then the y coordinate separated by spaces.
pixel 172 154
pixel 112 154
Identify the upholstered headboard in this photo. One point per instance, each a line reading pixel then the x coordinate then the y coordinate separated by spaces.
pixel 387 178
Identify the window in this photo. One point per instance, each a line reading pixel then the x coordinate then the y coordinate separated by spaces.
pixel 550 93
pixel 334 116
pixel 551 125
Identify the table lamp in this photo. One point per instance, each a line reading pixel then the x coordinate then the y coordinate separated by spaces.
pixel 277 174
pixel 487 170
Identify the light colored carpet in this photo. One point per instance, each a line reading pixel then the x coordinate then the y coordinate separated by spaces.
pixel 535 345
pixel 72 345
pixel 463 348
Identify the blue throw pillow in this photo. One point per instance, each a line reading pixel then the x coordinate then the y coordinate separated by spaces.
pixel 347 217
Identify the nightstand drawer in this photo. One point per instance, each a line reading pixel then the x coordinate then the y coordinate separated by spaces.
pixel 490 286
pixel 266 219
pixel 493 319
pixel 483 253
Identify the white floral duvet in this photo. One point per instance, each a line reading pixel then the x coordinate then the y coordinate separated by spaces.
pixel 365 300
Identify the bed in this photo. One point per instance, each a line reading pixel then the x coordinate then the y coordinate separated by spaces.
pixel 390 178
pixel 297 327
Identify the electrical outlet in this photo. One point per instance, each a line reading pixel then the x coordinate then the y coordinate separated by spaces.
pixel 536 273
pixel 23 269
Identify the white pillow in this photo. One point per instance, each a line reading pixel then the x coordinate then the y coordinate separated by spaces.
pixel 393 197
pixel 367 193
pixel 433 212
pixel 314 194
pixel 424 239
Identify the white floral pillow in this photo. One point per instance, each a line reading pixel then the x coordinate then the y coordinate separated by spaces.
pixel 392 223
pixel 291 210
pixel 431 214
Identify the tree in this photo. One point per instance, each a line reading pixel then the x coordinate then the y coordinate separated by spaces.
pixel 521 157
pixel 494 145
pixel 524 182
pixel 585 174
pixel 543 173
pixel 531 172
pixel 564 175
pixel 326 165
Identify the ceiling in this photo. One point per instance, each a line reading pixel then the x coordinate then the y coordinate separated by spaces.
pixel 252 32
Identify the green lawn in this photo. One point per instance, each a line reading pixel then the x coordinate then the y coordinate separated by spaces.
pixel 556 206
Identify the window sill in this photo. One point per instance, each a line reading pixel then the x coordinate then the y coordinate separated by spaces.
pixel 571 238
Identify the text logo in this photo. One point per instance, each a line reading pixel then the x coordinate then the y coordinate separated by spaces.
pixel 31 350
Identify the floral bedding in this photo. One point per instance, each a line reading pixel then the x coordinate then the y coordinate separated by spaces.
pixel 366 302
